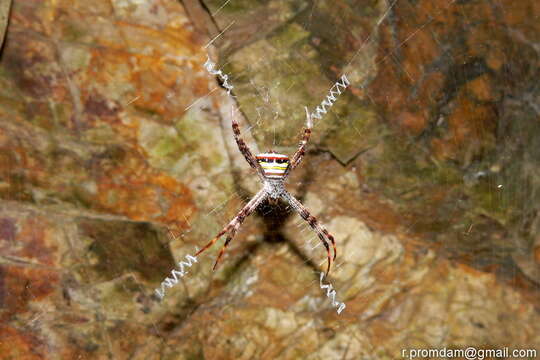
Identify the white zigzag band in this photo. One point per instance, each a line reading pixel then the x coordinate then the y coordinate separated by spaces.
pixel 331 293
pixel 176 275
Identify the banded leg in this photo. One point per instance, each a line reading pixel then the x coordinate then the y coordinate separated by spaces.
pixel 299 154
pixel 234 224
pixel 244 149
pixel 312 221
pixel 228 240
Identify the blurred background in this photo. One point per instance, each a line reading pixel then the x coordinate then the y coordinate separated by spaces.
pixel 117 160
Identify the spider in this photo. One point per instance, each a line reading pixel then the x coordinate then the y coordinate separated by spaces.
pixel 273 169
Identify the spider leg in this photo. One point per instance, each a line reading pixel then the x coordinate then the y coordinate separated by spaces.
pixel 299 154
pixel 322 233
pixel 234 224
pixel 227 241
pixel 244 149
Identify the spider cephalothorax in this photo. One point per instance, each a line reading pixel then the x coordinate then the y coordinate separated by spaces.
pixel 273 169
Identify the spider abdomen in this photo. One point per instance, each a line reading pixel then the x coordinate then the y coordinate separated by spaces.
pixel 273 165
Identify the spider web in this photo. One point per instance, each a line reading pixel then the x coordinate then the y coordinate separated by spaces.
pixel 264 124
pixel 261 127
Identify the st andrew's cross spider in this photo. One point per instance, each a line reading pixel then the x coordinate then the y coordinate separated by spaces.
pixel 273 169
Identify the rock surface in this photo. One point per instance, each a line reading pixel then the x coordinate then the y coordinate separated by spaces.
pixel 117 160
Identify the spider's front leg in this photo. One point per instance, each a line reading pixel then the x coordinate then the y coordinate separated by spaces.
pixel 312 221
pixel 299 154
pixel 234 225
pixel 244 149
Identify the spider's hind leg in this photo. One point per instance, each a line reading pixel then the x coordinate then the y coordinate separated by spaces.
pixel 322 233
pixel 227 241
pixel 233 226
pixel 225 229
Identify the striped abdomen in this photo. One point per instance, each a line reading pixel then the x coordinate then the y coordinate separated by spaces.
pixel 274 165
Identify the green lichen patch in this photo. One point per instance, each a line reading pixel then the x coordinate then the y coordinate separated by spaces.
pixel 194 141
pixel 162 144
pixel 266 14
pixel 197 131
